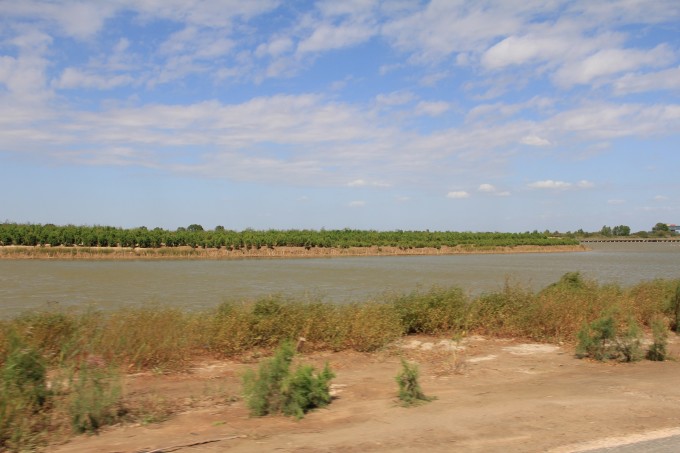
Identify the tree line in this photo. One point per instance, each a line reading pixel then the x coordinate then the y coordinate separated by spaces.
pixel 196 236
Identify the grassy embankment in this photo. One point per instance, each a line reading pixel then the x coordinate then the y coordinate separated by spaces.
pixel 58 368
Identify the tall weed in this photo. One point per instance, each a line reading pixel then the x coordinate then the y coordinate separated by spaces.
pixel 432 312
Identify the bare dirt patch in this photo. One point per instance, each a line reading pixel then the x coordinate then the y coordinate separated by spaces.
pixel 492 396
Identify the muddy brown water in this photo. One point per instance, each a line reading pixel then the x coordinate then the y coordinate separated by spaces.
pixel 200 284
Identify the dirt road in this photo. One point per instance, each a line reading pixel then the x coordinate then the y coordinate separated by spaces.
pixel 492 396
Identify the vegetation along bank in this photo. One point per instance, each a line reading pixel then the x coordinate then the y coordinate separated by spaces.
pixel 60 370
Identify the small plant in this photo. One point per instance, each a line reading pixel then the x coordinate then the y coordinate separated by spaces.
pixel 274 389
pixel 24 397
pixel 600 341
pixel 410 393
pixel 628 345
pixel 657 350
pixel 95 398
pixel 675 309
pixel 596 340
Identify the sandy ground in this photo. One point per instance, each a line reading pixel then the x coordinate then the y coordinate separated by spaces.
pixel 492 396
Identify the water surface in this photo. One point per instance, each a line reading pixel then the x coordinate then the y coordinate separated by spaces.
pixel 28 284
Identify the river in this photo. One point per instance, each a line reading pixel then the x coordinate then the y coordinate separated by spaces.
pixel 31 284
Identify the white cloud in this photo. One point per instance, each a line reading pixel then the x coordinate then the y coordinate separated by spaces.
pixel 660 198
pixel 327 37
pixel 516 50
pixel 612 61
pixel 668 79
pixel 561 185
pixel 458 194
pixel 616 201
pixel 356 204
pixel 534 140
pixel 432 108
pixel 550 184
pixel 275 47
pixel 488 188
pixel 75 78
pixel 395 98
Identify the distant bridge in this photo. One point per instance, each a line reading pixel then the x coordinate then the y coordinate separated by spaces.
pixel 630 240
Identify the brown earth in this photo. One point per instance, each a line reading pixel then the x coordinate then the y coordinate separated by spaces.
pixel 492 396
pixel 169 253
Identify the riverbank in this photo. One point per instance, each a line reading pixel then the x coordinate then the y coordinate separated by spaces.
pixel 539 397
pixel 81 361
pixel 183 253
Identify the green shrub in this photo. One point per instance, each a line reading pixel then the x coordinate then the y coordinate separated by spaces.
pixel 596 340
pixel 675 309
pixel 370 326
pixel 628 345
pixel 410 393
pixel 95 398
pixel 435 311
pixel 274 389
pixel 600 341
pixel 658 349
pixel 24 397
pixel 503 313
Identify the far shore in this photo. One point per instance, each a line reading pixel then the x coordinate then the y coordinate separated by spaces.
pixel 179 253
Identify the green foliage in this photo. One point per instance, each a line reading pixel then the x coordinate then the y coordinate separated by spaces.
pixel 628 345
pixel 503 313
pixel 195 235
pixel 595 340
pixel 435 311
pixel 660 228
pixel 24 397
pixel 274 389
pixel 410 393
pixel 621 230
pixel 674 309
pixel 658 349
pixel 95 398
pixel 600 341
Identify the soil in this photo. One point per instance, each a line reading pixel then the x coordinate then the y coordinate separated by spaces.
pixel 492 395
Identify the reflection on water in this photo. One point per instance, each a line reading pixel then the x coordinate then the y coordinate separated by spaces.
pixel 28 284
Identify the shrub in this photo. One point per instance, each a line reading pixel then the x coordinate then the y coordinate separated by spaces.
pixel 410 393
pixel 503 313
pixel 600 341
pixel 435 311
pixel 24 397
pixel 657 350
pixel 675 309
pixel 628 345
pixel 274 389
pixel 595 340
pixel 94 398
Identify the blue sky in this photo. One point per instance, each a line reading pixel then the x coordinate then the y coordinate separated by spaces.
pixel 443 114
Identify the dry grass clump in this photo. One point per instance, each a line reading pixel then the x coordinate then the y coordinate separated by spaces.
pixel 265 323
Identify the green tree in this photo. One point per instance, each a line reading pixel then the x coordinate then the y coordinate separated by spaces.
pixel 194 227
pixel 606 231
pixel 660 228
pixel 621 230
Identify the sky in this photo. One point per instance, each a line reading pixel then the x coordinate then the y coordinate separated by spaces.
pixel 450 115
